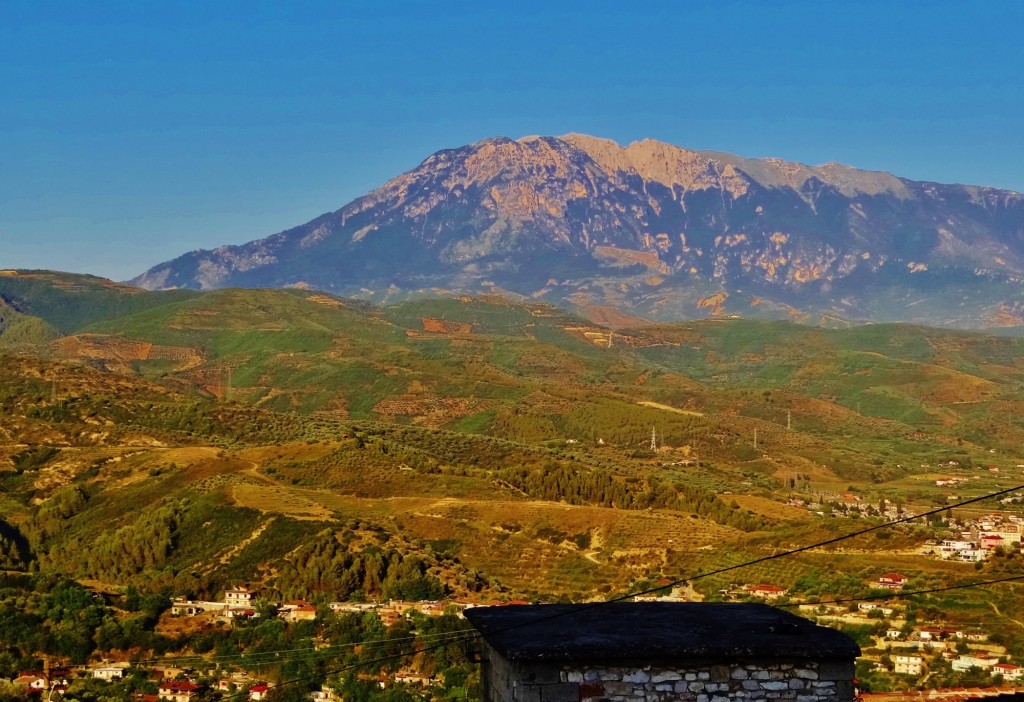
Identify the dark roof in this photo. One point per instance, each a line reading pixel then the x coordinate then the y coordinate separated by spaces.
pixel 655 632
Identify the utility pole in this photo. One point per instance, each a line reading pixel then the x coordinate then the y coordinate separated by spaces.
pixel 789 420
pixel 755 438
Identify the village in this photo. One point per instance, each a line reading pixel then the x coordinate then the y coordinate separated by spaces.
pixel 898 644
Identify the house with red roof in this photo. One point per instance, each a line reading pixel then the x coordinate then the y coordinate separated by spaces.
pixel 178 690
pixel 1009 671
pixel 767 591
pixel 891 581
pixel 33 681
pixel 259 692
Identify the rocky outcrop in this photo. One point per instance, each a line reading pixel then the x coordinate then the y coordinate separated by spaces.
pixel 654 230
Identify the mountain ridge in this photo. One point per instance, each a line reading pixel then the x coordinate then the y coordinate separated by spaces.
pixel 653 230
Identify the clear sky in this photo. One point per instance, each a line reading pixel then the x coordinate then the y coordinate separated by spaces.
pixel 134 131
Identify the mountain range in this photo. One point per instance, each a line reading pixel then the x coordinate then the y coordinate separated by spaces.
pixel 653 231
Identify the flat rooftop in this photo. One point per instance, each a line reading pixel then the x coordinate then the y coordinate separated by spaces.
pixel 655 632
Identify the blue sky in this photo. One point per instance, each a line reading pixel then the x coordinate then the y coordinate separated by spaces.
pixel 132 132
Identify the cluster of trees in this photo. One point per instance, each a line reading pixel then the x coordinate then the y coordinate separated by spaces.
pixel 596 487
pixel 14 551
pixel 327 566
pixel 117 555
pixel 49 518
pixel 61 618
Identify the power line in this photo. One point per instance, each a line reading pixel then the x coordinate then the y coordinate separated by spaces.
pixel 901 594
pixel 473 635
pixel 360 664
pixel 326 650
pixel 763 559
pixel 678 581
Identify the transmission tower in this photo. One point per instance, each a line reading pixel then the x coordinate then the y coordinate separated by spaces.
pixel 654 440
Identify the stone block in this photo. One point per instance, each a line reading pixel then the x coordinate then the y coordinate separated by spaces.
pixel 806 674
pixel 572 676
pixel 835 670
pixel 751 685
pixel 613 687
pixel 663 687
pixel 697 686
pixel 591 676
pixel 739 673
pixel 720 698
pixel 774 685
pixel 690 676
pixel 636 676
pixel 719 673
pixel 761 675
pixel 806 698
pixel 796 684
pixel 560 692
pixel 537 673
pixel 703 675
pixel 665 676
pixel 681 686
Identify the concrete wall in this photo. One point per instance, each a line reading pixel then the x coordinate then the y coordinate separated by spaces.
pixel 807 681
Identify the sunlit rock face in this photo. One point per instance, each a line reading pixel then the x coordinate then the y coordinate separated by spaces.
pixel 653 230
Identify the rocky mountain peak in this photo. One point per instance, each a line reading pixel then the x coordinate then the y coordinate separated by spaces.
pixel 653 229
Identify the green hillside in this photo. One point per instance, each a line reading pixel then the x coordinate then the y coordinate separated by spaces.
pixel 480 449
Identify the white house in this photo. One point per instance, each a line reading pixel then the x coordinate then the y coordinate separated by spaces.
pixel 240 596
pixel 974 660
pixel 109 672
pixel 907 664
pixel 1009 671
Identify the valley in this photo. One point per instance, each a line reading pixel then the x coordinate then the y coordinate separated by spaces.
pixel 480 450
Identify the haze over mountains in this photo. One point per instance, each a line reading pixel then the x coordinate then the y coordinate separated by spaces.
pixel 651 230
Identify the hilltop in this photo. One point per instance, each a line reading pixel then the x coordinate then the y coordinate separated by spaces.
pixel 650 230
pixel 482 450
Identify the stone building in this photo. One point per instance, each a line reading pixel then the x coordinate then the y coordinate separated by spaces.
pixel 660 651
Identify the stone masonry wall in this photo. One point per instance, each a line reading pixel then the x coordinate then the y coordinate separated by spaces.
pixel 807 681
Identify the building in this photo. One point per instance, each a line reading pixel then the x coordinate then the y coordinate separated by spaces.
pixel 660 651
pixel 974 660
pixel 240 596
pixel 178 690
pixel 32 681
pixel 992 541
pixel 109 672
pixel 259 692
pixel 1009 671
pixel 961 550
pixel 297 611
pixel 891 581
pixel 768 592
pixel 908 664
